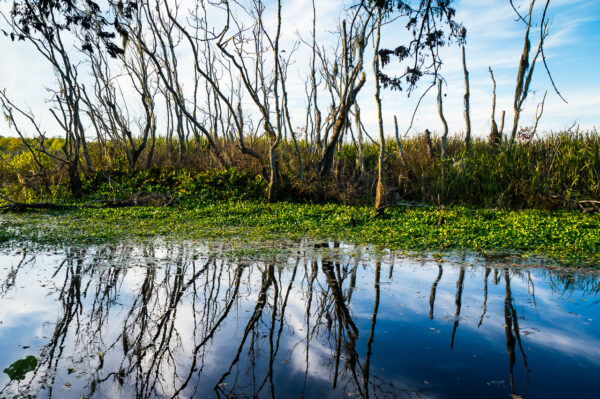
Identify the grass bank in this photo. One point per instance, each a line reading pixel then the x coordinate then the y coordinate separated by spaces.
pixel 555 171
pixel 565 237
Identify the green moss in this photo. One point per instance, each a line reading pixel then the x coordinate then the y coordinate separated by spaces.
pixel 566 237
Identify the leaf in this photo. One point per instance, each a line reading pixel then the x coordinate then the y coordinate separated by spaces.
pixel 18 369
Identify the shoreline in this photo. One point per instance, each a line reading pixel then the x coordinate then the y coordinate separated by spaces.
pixel 567 238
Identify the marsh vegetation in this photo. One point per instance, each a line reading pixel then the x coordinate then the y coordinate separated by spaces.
pixel 213 210
pixel 153 96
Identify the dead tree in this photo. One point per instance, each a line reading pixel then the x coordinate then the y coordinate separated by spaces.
pixel 429 144
pixel 495 135
pixel 381 191
pixel 527 65
pixel 352 79
pixel 443 119
pixel 161 48
pixel 232 44
pixel 467 98
pixel 399 143
pixel 315 113
pixel 109 109
pixel 48 38
pixel 538 115
pixel 360 142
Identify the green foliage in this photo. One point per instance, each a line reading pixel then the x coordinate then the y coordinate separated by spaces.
pixel 567 237
pixel 553 172
pixel 21 367
pixel 209 185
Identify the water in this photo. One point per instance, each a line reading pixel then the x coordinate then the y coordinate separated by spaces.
pixel 171 320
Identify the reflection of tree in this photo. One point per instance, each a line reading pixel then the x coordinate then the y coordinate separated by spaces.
pixel 511 330
pixel 70 297
pixel 367 364
pixel 458 302
pixel 152 329
pixel 485 296
pixel 210 333
pixel 310 278
pixel 433 290
pixel 9 283
pixel 268 279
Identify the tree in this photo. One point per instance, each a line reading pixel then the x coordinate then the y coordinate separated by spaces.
pixel 54 16
pixel 432 25
pixel 527 63
pixel 47 29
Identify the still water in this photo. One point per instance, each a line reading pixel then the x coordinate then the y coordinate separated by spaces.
pixel 178 320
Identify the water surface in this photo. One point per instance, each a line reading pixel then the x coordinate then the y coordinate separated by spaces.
pixel 174 320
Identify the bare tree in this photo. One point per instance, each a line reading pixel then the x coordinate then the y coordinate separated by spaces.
pixel 495 135
pixel 66 98
pixel 443 119
pixel 351 80
pixel 110 108
pixel 538 115
pixel 399 143
pixel 467 99
pixel 381 192
pixel 527 64
pixel 166 33
pixel 232 44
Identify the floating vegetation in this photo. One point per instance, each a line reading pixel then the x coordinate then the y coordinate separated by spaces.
pixel 566 237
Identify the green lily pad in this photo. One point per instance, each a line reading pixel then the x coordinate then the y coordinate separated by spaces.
pixel 18 369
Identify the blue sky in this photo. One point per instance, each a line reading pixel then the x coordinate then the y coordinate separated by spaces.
pixel 573 51
pixel 494 39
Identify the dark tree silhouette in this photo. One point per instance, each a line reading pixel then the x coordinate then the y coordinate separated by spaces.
pixel 432 25
pixel 103 22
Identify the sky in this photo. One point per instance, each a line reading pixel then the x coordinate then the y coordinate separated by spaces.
pixel 494 39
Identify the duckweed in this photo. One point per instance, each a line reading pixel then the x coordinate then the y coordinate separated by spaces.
pixel 566 237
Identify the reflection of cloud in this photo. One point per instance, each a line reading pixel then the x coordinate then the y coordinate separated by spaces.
pixel 27 298
pixel 571 343
pixel 404 302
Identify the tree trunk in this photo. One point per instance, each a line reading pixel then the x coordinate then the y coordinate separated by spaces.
pixel 272 188
pixel 326 161
pixel 441 112
pixel 467 102
pixel 495 134
pixel 75 180
pixel 429 143
pixel 381 194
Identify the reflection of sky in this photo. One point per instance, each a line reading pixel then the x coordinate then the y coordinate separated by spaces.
pixel 559 334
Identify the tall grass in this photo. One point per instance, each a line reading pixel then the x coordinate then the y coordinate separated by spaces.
pixel 555 171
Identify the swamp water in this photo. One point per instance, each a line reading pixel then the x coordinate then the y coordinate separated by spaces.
pixel 172 320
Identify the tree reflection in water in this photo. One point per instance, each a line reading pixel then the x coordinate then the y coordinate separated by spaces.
pixel 171 321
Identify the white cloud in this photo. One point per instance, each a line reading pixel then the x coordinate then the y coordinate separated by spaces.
pixel 494 39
